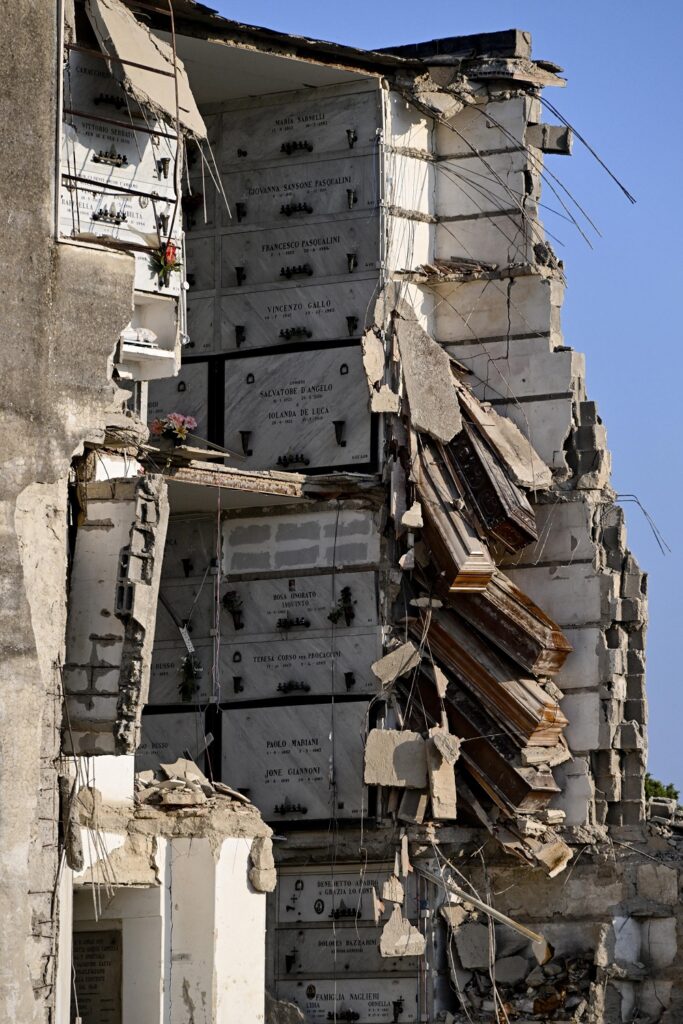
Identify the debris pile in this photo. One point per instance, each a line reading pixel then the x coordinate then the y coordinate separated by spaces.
pixel 474 725
pixel 181 784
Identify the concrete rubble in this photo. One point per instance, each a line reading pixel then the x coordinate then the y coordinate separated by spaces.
pixel 325 647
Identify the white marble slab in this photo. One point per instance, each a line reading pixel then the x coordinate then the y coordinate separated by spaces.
pixel 166 736
pixel 344 950
pixel 372 998
pixel 95 209
pixel 190 547
pixel 201 263
pixel 166 672
pixel 285 758
pixel 303 666
pixel 318 895
pixel 290 194
pixel 187 394
pixel 319 248
pixel 295 606
pixel 320 122
pixel 296 312
pixel 200 325
pixel 288 404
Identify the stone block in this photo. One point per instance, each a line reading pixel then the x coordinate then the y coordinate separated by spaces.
pixel 475 310
pixel 659 946
pixel 636 710
pixel 511 969
pixel 472 944
pixel 395 758
pixel 658 883
pixel 583 711
pixel 632 788
pixel 577 791
pixel 629 736
pixel 571 594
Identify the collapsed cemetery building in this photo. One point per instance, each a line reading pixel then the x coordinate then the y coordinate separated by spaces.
pixel 324 648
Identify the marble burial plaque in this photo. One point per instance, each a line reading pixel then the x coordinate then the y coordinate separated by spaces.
pixel 301 252
pixel 286 760
pixel 289 194
pixel 343 123
pixel 201 263
pixel 193 602
pixel 336 950
pixel 97 210
pixel 190 548
pixel 299 410
pixel 97 961
pixel 373 999
pixel 170 682
pixel 313 666
pixel 147 278
pixel 294 607
pixel 296 313
pixel 119 154
pixel 187 394
pixel 166 737
pixel 200 324
pixel 306 540
pixel 316 896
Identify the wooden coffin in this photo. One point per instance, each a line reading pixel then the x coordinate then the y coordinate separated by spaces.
pixel 519 705
pixel 516 625
pixel 500 506
pixel 460 555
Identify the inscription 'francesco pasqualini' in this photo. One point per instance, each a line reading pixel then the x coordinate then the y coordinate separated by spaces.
pixel 301 243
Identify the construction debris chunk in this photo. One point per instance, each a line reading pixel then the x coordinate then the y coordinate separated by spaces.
pixel 395 758
pixel 401 938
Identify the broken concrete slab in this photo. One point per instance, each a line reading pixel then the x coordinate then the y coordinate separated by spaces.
pixel 511 969
pixel 401 938
pixel 447 744
pixel 394 758
pixel 429 382
pixel 385 400
pixel 472 944
pixel 442 775
pixel 412 518
pixel 373 359
pixel 413 806
pixel 525 465
pixel 262 873
pixel 396 663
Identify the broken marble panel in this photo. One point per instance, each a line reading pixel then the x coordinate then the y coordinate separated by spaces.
pixel 101 210
pixel 167 675
pixel 288 194
pixel 337 948
pixel 298 311
pixel 394 758
pixel 191 603
pixel 308 540
pixel 97 967
pixel 166 737
pixel 292 607
pixel 190 548
pixel 283 759
pixel 315 896
pixel 187 394
pixel 301 252
pixel 373 999
pixel 294 125
pixel 254 669
pixel 299 410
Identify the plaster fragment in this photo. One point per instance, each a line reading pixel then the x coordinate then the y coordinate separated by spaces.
pixel 396 663
pixel 412 518
pixel 429 382
pixel 392 890
pixel 395 758
pixel 401 938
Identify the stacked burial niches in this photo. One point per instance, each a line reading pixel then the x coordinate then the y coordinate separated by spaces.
pixel 341 199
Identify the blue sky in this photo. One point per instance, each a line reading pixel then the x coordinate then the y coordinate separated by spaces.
pixel 622 304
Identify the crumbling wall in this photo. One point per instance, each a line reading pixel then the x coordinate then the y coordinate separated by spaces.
pixel 62 313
